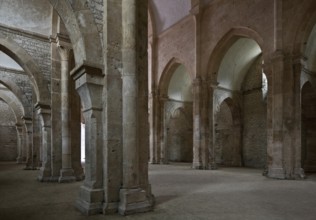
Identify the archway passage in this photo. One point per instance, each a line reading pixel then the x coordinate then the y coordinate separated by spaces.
pixel 227 135
pixel 177 115
pixel 240 108
pixel 308 128
pixel 180 135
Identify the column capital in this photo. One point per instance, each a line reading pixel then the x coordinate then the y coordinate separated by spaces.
pixel 26 120
pixel 45 112
pixel 63 41
pixel 89 84
pixel 64 46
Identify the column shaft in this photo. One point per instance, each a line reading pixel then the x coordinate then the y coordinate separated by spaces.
pixel 66 173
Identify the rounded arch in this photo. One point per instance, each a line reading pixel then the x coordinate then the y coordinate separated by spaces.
pixel 233 107
pixel 83 32
pixel 18 93
pixel 225 43
pixel 167 73
pixel 15 105
pixel 17 53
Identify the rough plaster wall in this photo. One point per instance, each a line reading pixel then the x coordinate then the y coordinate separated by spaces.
pixel 309 128
pixel 254 119
pixel 179 127
pixel 21 80
pixel 37 48
pixel 8 133
pixel 178 42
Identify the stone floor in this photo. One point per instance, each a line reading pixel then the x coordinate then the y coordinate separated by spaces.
pixel 181 193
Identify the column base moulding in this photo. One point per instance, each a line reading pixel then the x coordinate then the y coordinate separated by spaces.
pixel 200 166
pixel 90 201
pixel 19 160
pixel 110 208
pixel 135 201
pixel 67 176
pixel 276 173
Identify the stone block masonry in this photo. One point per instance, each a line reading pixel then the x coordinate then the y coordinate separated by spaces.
pixel 37 46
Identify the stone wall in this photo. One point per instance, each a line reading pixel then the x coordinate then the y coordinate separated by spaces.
pixel 177 42
pixel 227 134
pixel 308 128
pixel 254 119
pixel 37 46
pixel 179 125
pixel 8 134
pixel 96 7
pixel 22 80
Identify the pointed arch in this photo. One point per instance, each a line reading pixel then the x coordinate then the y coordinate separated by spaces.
pixel 225 43
pixel 167 73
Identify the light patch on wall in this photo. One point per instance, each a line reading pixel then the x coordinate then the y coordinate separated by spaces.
pixel 310 51
pixel 236 63
pixel 8 62
pixel 180 86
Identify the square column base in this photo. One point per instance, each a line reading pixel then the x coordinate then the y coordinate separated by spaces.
pixel 134 201
pixel 276 173
pixel 67 176
pixel 19 160
pixel 44 175
pixel 299 173
pixel 110 208
pixel 90 201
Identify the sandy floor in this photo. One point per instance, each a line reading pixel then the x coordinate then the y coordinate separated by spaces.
pixel 181 193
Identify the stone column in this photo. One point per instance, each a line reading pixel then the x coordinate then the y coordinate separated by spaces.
pixel 112 105
pixel 24 143
pixel 89 84
pixel 37 150
pixel 200 146
pixel 19 130
pixel 275 145
pixel 153 132
pixel 45 172
pixel 162 151
pixel 66 172
pixel 135 195
pixel 284 119
pixel 29 129
pixel 75 129
pixel 211 115
pixel 298 170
